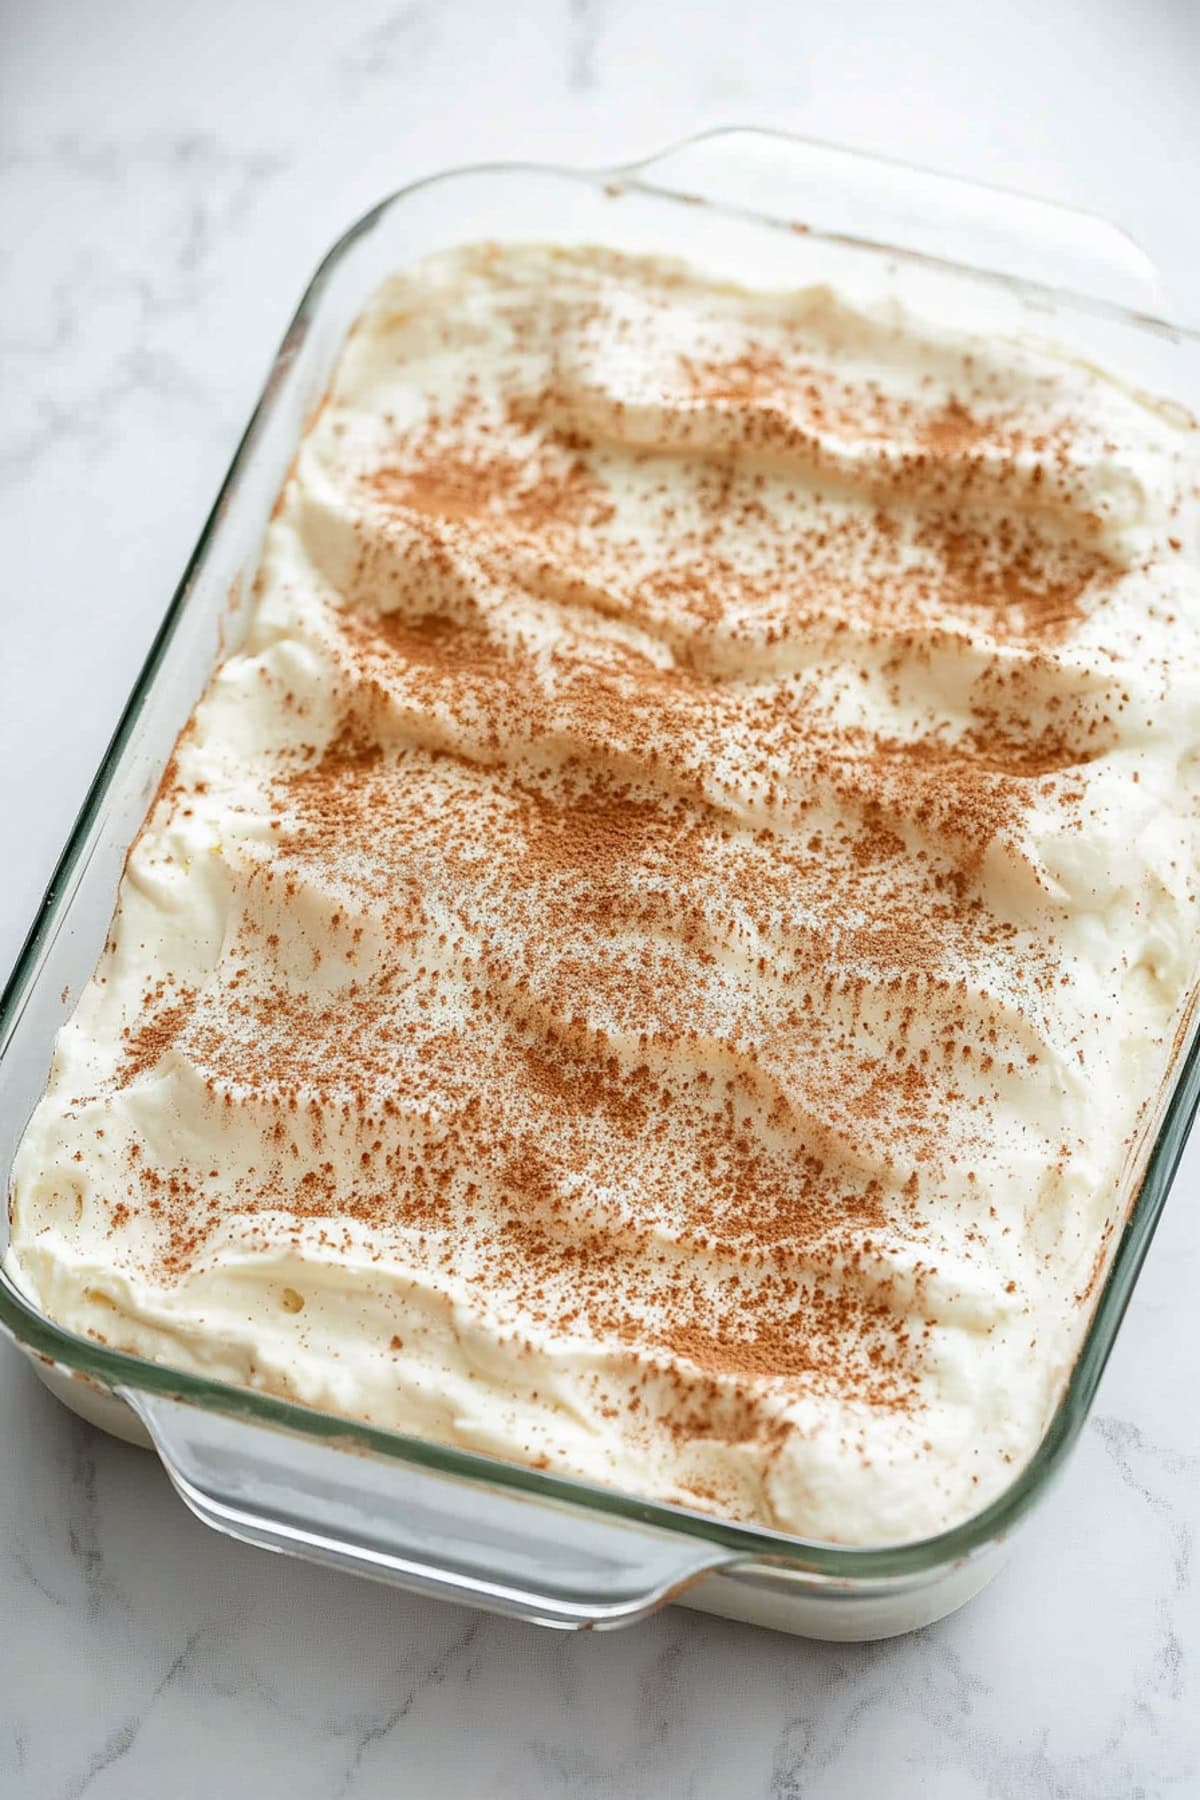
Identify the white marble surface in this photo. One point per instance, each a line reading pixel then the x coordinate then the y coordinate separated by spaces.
pixel 169 173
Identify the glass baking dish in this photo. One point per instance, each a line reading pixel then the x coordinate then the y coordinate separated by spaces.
pixel 770 209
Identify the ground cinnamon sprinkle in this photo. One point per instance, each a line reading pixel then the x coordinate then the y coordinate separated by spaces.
pixel 160 1026
pixel 640 920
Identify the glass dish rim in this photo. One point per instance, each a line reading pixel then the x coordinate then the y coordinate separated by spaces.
pixel 115 1369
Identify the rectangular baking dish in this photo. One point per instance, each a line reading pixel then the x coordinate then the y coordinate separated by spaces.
pixel 769 209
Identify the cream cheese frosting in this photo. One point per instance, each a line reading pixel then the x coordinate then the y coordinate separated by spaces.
pixel 655 958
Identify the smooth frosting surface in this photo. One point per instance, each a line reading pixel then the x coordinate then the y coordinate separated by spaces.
pixel 653 959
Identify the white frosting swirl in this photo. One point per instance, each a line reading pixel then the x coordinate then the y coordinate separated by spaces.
pixel 654 957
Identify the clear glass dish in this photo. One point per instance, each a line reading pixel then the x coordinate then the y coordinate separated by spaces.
pixel 775 210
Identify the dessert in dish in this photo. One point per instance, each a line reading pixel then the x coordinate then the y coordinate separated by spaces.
pixel 654 958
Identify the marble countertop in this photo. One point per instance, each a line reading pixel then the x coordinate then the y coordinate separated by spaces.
pixel 169 174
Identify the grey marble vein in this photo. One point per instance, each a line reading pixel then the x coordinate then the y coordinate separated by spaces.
pixel 105 336
pixel 83 1519
pixel 374 1732
pixel 122 1738
pixel 584 24
pixel 402 39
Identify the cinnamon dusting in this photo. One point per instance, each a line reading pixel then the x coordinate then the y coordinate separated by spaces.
pixel 630 948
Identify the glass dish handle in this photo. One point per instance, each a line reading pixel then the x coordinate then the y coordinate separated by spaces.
pixel 840 192
pixel 523 1555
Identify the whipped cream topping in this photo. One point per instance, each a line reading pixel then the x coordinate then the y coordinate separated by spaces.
pixel 656 957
